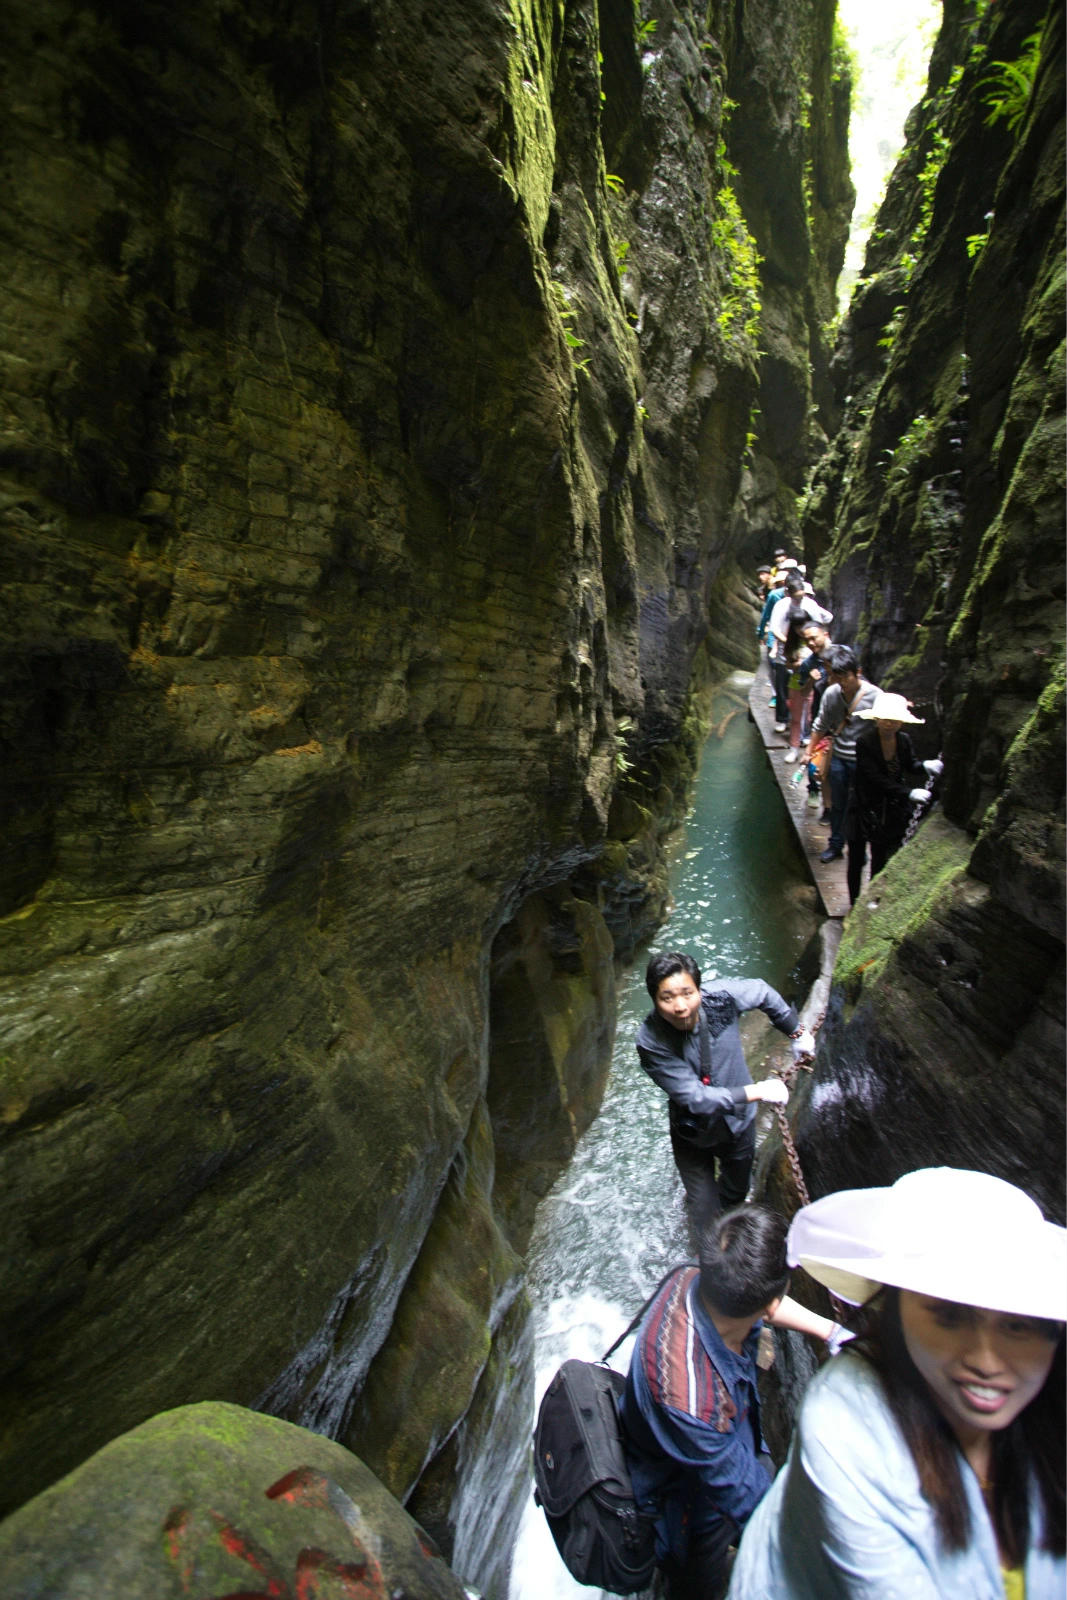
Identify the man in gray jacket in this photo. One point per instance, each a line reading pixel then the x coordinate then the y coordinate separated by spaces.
pixel 690 1045
pixel 839 716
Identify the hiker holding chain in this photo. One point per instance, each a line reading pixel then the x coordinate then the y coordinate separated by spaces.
pixel 928 1460
pixel 690 1409
pixel 690 1045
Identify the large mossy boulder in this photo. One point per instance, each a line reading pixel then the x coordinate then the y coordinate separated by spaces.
pixel 212 1500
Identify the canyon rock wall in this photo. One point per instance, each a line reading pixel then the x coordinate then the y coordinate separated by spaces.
pixel 380 380
pixel 938 515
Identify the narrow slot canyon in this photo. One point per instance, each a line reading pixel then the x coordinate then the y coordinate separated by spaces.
pixel 398 400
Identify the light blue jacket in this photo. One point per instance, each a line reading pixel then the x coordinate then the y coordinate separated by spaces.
pixel 846 1520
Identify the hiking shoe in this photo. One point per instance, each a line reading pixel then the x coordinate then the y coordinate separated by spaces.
pixel 830 854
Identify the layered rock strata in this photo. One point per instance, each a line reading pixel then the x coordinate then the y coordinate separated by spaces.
pixel 378 383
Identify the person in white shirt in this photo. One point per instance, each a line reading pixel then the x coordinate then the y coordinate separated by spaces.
pixel 928 1459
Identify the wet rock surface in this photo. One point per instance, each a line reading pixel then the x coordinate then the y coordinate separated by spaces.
pixel 214 1500
pixel 369 478
pixel 941 1044
pixel 938 518
pixel 379 446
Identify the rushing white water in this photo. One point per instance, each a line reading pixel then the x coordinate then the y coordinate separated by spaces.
pixel 613 1223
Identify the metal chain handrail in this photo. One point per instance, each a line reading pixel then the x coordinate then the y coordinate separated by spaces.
pixel 788 1075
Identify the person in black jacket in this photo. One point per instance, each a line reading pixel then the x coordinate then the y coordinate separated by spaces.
pixel 889 783
pixel 690 1045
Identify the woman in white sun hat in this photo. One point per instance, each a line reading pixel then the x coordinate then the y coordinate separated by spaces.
pixel 928 1459
pixel 889 781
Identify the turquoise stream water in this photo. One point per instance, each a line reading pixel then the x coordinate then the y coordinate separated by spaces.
pixel 613 1223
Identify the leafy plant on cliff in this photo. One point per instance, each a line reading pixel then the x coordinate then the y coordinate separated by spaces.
pixel 752 434
pixel 739 314
pixel 643 31
pixel 565 312
pixel 844 63
pixel 1009 84
pixel 937 520
pixel 624 726
pixel 910 448
pixel 928 176
pixel 976 242
pixel 892 329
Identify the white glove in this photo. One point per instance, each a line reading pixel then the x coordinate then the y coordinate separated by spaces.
pixel 919 794
pixel 838 1338
pixel 803 1044
pixel 773 1092
pixel 934 767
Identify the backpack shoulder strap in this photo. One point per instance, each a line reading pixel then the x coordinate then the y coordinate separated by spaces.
pixel 626 1332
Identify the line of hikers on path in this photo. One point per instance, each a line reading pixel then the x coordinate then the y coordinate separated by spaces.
pixel 928 1456
pixel 848 734
pixel 928 1459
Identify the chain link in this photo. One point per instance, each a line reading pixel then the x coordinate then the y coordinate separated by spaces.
pixel 921 807
pixel 788 1075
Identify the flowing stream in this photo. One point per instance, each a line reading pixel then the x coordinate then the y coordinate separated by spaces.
pixel 613 1223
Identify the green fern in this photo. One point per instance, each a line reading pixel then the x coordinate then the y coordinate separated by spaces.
pixel 1009 84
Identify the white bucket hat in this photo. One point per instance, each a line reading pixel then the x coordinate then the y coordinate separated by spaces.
pixel 890 708
pixel 942 1231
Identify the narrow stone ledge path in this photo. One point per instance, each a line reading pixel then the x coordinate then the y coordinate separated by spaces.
pixel 828 877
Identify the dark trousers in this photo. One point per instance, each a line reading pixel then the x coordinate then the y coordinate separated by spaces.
pixel 706 1572
pixel 842 774
pixel 882 847
pixel 716 1176
pixel 780 678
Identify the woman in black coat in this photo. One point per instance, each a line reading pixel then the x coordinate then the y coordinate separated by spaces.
pixel 889 782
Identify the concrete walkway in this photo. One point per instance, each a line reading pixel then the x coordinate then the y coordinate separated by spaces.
pixel 812 835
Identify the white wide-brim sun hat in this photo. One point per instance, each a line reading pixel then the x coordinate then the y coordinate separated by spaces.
pixel 888 707
pixel 942 1231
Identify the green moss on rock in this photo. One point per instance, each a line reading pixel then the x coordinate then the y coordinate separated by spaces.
pixel 223 1498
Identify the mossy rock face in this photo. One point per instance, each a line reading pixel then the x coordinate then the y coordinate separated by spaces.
pixel 943 1044
pixel 1020 849
pixel 552 1016
pixel 362 502
pixel 464 1280
pixel 211 1499
pixel 489 1457
pixel 934 861
pixel 936 516
pixel 937 519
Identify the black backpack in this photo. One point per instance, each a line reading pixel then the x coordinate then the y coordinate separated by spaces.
pixel 583 1483
pixel 582 1480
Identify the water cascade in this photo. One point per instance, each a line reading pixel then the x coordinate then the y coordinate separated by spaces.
pixel 613 1223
